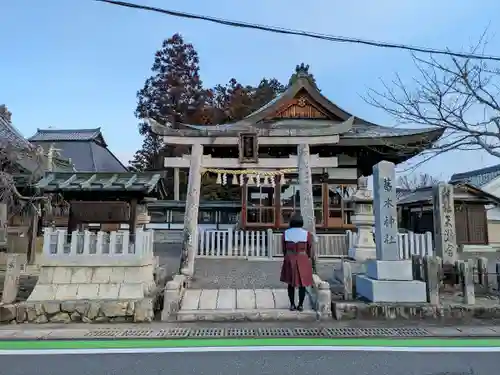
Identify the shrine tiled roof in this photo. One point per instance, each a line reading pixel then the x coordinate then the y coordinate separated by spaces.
pixel 145 182
pixel 85 147
pixel 478 177
pixel 424 195
pixel 333 121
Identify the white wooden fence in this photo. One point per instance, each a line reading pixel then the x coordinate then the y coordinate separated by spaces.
pixel 84 246
pixel 409 243
pixel 266 244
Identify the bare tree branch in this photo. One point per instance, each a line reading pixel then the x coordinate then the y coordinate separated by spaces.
pixel 460 96
pixel 416 181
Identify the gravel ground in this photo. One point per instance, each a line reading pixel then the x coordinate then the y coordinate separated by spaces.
pixel 245 274
pixel 170 256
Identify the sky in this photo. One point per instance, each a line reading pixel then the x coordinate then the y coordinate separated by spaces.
pixel 79 63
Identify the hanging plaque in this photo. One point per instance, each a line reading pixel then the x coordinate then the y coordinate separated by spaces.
pixel 248 148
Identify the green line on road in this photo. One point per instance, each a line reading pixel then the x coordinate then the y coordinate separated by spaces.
pixel 179 343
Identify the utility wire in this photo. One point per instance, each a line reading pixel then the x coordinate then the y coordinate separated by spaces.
pixel 281 30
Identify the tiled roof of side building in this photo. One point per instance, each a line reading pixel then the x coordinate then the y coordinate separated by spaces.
pixel 478 177
pixel 67 135
pixel 9 133
pixel 86 148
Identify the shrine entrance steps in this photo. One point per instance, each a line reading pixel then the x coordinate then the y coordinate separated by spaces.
pixel 241 305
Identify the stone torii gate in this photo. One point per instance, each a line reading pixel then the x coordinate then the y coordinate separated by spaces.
pixel 248 138
pixel 190 237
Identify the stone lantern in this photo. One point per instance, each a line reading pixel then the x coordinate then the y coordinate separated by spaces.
pixel 143 217
pixel 363 246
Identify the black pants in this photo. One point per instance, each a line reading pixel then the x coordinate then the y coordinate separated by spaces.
pixel 291 295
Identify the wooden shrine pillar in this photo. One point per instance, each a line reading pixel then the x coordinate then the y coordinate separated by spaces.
pixel 132 220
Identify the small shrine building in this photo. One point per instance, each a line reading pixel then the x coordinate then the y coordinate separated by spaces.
pixel 259 154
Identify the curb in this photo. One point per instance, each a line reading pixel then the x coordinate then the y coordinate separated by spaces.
pixel 112 334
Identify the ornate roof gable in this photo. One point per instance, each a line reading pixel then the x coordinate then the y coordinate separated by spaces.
pixel 301 100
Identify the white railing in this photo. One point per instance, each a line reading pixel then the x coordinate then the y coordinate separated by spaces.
pixel 101 247
pixel 409 243
pixel 266 244
pixel 329 245
pixel 234 244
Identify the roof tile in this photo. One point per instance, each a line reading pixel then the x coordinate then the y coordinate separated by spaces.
pixel 66 134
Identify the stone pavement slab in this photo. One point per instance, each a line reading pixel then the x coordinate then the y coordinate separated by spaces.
pixel 240 305
pixel 237 299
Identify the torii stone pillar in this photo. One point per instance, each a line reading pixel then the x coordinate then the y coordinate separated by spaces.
pixel 306 193
pixel 190 238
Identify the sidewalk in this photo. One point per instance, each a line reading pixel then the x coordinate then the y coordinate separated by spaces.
pixel 357 329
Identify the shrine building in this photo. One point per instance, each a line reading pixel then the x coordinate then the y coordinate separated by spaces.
pixel 259 155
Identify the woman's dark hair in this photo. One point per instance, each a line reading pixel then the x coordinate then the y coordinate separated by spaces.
pixel 296 221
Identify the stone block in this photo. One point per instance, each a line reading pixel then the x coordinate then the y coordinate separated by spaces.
pixel 398 270
pixel 226 300
pixel 131 291
pixel 66 292
pixel 7 313
pixel 390 290
pixel 114 308
pixel 88 291
pixel 101 275
pixel 138 274
pixel 81 275
pixel 62 275
pixel 109 291
pixel 362 254
pixel 43 293
pixel 46 275
pixel 144 310
pixel 117 275
pixel 51 307
pixel 60 317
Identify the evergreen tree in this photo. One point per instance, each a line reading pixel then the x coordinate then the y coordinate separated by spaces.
pixel 173 94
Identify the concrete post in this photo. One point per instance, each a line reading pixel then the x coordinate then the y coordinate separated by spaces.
pixel 432 278
pixel 467 281
pixel 347 280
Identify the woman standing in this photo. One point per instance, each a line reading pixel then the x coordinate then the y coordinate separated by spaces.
pixel 297 269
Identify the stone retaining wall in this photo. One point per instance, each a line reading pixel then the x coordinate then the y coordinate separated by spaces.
pixel 78 311
pixel 387 311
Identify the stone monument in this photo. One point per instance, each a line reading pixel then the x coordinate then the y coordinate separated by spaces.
pixel 388 278
pixel 363 247
pixel 445 236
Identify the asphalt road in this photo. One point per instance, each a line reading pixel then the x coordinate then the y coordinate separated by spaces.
pixel 255 363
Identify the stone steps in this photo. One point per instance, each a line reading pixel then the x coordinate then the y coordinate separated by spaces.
pixel 241 305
